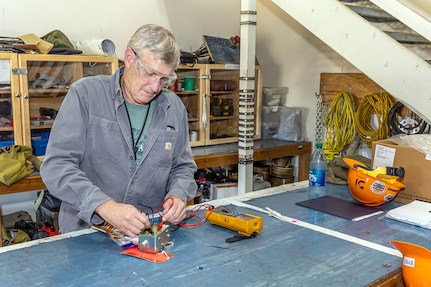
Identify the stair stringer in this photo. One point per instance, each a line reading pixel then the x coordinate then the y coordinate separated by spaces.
pixel 409 13
pixel 395 68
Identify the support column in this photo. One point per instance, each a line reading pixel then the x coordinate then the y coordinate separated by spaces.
pixel 246 96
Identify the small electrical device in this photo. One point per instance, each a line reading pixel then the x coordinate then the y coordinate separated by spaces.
pixel 153 241
pixel 245 224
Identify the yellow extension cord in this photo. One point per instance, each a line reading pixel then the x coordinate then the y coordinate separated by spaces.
pixel 339 125
pixel 378 104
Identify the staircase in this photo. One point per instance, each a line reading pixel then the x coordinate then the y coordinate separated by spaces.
pixel 388 40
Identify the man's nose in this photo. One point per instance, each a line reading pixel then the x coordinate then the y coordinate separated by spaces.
pixel 155 85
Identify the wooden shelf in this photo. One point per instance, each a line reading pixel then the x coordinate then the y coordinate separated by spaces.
pixel 227 154
pixel 5 129
pixel 47 92
pixel 210 156
pixel 31 182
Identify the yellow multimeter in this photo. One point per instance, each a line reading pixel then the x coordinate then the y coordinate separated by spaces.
pixel 244 223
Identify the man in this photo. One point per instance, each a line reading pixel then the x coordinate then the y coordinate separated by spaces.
pixel 119 144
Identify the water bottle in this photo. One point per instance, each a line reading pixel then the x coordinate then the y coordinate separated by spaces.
pixel 317 175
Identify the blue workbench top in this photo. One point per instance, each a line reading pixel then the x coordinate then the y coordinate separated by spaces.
pixel 283 254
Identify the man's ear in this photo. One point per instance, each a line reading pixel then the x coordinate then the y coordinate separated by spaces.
pixel 129 57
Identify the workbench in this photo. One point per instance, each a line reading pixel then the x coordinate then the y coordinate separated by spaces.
pixel 285 253
pixel 227 154
pixel 209 156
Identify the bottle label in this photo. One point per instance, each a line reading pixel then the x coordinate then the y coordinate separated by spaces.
pixel 317 177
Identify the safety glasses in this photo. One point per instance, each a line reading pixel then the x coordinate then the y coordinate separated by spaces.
pixel 148 73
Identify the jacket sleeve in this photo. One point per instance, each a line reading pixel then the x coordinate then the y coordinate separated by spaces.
pixel 181 180
pixel 60 168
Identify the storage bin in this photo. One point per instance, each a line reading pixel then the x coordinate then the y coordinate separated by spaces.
pixel 271 114
pixel 39 146
pixel 274 96
pixel 268 130
pixel 40 135
pixel 6 143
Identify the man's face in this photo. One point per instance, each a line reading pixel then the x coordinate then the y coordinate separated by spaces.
pixel 144 77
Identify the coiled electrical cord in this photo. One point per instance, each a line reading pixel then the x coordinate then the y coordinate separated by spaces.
pixel 415 124
pixel 378 104
pixel 339 125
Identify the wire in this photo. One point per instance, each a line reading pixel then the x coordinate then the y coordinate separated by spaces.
pixel 159 227
pixel 195 213
pixel 339 125
pixel 163 203
pixel 375 105
pixel 411 124
pixel 148 214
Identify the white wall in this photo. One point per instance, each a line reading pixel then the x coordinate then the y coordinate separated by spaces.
pixel 289 55
pixel 117 20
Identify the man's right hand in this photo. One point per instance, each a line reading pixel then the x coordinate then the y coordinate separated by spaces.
pixel 123 216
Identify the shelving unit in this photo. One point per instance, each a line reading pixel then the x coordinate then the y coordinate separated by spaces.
pixel 36 88
pixel 193 101
pixel 32 89
pixel 213 103
pixel 10 100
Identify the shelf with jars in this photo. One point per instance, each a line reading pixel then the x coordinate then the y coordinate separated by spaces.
pixel 210 93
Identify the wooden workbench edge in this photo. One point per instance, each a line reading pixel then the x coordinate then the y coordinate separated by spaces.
pixel 29 183
pixel 301 149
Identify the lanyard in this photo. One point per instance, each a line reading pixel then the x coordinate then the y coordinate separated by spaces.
pixel 135 143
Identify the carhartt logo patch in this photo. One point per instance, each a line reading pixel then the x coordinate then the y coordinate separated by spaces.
pixel 168 146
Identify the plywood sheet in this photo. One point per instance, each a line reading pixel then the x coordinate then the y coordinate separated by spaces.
pixel 357 84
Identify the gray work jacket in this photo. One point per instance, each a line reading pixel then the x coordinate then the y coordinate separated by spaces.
pixel 89 157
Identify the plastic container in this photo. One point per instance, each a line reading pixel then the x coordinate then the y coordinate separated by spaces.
pixel 96 47
pixel 274 96
pixel 189 84
pixel 317 175
pixel 39 142
pixel 6 143
pixel 39 146
pixel 271 114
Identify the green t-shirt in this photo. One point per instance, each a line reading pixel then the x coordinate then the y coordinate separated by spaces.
pixel 140 122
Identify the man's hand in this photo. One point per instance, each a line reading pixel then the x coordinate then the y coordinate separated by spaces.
pixel 174 210
pixel 123 216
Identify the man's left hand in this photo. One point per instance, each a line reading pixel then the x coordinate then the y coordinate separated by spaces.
pixel 174 210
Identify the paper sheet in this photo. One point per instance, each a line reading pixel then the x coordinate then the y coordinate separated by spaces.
pixel 417 213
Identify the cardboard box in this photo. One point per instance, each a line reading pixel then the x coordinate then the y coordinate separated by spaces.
pixel 417 177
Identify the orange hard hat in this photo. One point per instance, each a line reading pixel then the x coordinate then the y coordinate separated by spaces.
pixel 368 189
pixel 416 264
